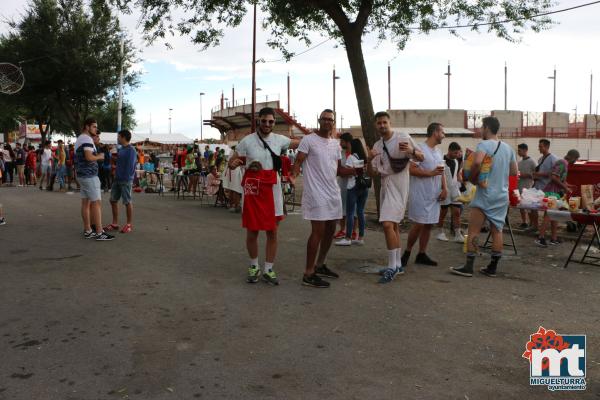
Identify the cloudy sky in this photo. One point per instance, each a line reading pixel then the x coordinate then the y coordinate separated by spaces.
pixel 174 78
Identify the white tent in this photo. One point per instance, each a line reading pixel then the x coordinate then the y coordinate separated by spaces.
pixel 162 138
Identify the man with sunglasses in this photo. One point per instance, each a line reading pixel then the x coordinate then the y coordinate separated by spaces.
pixel 263 146
pixel 321 196
pixel 86 165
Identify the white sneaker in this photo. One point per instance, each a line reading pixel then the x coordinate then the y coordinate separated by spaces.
pixel 442 236
pixel 343 242
pixel 458 237
pixel 359 242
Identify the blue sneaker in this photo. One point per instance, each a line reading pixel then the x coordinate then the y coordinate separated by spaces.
pixel 388 275
pixel 399 270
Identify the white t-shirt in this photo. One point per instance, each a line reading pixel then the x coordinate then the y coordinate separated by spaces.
pixel 423 205
pixel 321 196
pixel 46 156
pixel 353 162
pixel 252 148
pixel 7 157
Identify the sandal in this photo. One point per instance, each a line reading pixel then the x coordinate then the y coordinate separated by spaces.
pixel 126 228
pixel 111 227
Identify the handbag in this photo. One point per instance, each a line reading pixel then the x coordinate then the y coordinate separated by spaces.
pixel 277 163
pixel 484 171
pixel 453 184
pixel 397 164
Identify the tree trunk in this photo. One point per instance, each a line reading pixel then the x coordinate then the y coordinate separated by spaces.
pixel 360 79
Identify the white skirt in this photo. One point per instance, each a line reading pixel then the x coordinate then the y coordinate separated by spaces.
pixel 393 198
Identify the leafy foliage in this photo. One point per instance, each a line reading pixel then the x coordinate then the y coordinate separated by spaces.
pixel 70 53
pixel 346 21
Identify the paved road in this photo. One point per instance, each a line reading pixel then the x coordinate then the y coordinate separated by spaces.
pixel 164 313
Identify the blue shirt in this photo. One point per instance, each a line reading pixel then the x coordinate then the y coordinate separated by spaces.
pixel 126 159
pixel 493 200
pixel 84 168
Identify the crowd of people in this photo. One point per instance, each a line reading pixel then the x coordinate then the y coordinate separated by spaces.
pixel 416 179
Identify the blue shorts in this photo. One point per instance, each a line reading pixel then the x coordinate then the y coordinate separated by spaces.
pixel 121 190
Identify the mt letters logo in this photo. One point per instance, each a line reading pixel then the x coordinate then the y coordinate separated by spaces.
pixel 556 361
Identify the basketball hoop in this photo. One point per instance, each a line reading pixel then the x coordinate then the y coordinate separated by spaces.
pixel 11 78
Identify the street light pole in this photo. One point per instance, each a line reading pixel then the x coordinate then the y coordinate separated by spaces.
pixel 253 120
pixel 170 109
pixel 553 77
pixel 201 120
pixel 448 74
pixel 389 87
pixel 334 77
pixel 591 85
pixel 288 93
pixel 505 86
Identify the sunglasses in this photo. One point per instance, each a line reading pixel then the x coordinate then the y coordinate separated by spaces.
pixel 326 119
pixel 267 121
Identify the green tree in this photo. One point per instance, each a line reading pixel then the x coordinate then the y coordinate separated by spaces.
pixel 346 21
pixel 70 53
pixel 106 115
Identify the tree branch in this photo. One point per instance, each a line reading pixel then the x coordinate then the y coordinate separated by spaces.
pixel 335 12
pixel 364 12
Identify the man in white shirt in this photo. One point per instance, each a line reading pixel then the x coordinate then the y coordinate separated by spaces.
pixel 260 146
pixel 390 158
pixel 321 198
pixel 427 190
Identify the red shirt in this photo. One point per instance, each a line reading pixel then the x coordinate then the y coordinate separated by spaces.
pixel 286 166
pixel 259 206
pixel 31 159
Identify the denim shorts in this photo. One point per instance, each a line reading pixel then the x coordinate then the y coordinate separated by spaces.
pixel 121 190
pixel 90 188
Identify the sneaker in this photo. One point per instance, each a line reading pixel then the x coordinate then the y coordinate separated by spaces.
pixel 324 271
pixel 253 274
pixel 270 277
pixel 358 242
pixel 523 226
pixel 103 237
pixel 488 272
pixel 553 242
pixel 541 242
pixel 343 242
pixel 405 257
pixel 2 221
pixel 388 275
pixel 315 281
pixel 111 227
pixel 127 228
pixel 89 235
pixel 399 270
pixel 442 236
pixel 340 235
pixel 531 229
pixel 354 235
pixel 461 270
pixel 424 259
pixel 458 237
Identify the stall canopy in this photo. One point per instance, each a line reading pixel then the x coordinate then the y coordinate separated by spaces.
pixel 161 138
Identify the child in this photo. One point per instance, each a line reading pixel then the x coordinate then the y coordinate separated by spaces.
pixel 258 214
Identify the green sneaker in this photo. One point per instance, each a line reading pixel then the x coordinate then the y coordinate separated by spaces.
pixel 253 274
pixel 270 277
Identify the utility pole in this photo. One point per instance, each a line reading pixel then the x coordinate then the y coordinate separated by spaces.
pixel 120 104
pixel 553 77
pixel 232 96
pixel 289 109
pixel 505 86
pixel 201 120
pixel 170 109
pixel 334 77
pixel 448 74
pixel 253 119
pixel 591 86
pixel 389 87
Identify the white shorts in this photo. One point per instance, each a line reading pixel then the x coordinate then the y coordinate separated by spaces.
pixel 90 188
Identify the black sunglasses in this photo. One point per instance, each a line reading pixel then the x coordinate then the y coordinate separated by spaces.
pixel 267 121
